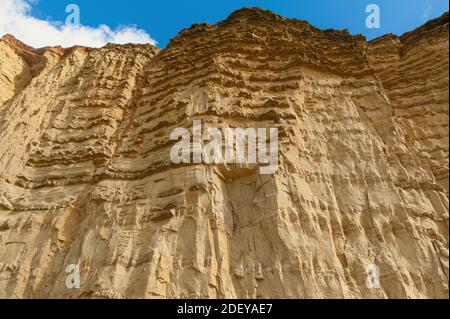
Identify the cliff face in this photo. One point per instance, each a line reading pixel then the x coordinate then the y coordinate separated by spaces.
pixel 86 176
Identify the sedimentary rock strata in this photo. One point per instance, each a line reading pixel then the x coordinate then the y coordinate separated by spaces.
pixel 86 177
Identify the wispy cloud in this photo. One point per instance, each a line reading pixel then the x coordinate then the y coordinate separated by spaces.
pixel 16 19
pixel 426 14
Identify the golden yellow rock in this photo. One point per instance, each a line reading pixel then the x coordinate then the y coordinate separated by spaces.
pixel 86 177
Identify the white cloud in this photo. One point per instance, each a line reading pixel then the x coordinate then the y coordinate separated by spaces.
pixel 16 19
pixel 426 14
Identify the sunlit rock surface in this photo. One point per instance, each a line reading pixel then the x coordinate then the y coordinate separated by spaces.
pixel 86 176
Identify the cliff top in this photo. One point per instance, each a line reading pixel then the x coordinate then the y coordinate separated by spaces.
pixel 251 16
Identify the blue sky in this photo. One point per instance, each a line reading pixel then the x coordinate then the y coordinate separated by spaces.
pixel 162 20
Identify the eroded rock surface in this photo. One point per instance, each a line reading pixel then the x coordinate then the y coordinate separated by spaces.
pixel 86 177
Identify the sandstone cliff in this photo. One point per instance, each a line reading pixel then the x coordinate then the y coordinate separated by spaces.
pixel 86 177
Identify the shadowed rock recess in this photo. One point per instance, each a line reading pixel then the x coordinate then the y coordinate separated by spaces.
pixel 86 176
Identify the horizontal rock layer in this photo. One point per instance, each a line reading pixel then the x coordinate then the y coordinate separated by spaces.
pixel 86 176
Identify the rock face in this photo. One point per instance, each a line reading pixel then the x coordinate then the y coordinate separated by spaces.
pixel 86 177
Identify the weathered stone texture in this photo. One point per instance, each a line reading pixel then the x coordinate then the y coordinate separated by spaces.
pixel 86 177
